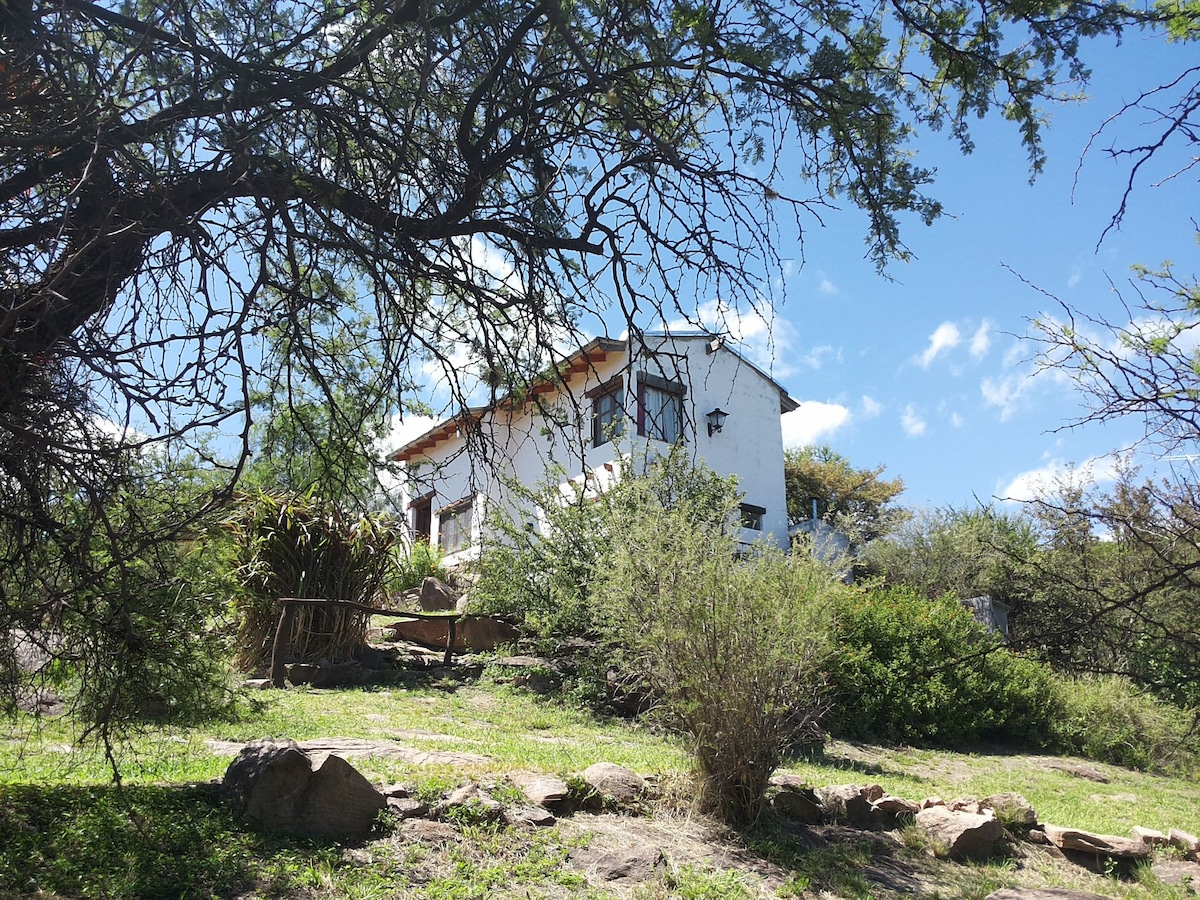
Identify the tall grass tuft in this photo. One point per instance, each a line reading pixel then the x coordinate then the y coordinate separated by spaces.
pixel 299 546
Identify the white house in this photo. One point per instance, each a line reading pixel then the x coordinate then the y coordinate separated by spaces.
pixel 608 398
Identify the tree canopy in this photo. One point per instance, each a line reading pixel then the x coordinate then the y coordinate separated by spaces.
pixel 187 187
pixel 858 502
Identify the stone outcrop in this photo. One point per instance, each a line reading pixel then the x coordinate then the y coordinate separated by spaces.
pixel 437 596
pixel 477 633
pixel 1099 852
pixel 1011 809
pixel 277 787
pixel 962 835
pixel 614 785
pixel 851 804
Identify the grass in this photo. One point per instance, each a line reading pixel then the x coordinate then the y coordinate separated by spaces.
pixel 65 831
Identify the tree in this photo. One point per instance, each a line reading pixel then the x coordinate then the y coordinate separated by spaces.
pixel 178 181
pixel 1114 584
pixel 855 501
pixel 966 552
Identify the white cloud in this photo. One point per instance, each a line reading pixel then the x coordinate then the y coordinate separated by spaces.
pixel 956 420
pixel 818 356
pixel 828 287
pixel 812 422
pixel 1044 480
pixel 914 425
pixel 981 342
pixel 871 407
pixel 944 338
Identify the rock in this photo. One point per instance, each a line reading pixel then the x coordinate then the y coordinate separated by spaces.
pixel 257 684
pixel 428 832
pixel 613 784
pixel 478 633
pixel 848 804
pixel 276 786
pixel 1043 894
pixel 892 810
pixel 629 865
pixel 407 807
pixel 800 805
pixel 529 815
pixel 542 790
pixel 1079 770
pixel 1011 809
pixel 1178 872
pixel 964 835
pixel 437 596
pixel 1149 836
pixel 1099 852
pixel 1188 843
pixel 475 799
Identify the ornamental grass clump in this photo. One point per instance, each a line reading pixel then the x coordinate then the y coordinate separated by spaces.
pixel 732 648
pixel 299 546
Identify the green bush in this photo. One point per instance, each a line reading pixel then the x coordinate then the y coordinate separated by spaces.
pixel 1109 719
pixel 733 649
pixel 419 560
pixel 924 671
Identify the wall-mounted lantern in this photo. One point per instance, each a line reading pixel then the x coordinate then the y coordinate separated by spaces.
pixel 716 420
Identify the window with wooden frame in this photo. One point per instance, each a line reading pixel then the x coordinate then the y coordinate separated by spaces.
pixel 660 408
pixel 608 413
pixel 454 526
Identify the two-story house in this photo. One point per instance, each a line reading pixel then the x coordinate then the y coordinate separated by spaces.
pixel 609 399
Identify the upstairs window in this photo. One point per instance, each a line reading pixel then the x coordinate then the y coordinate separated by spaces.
pixel 454 526
pixel 608 416
pixel 660 408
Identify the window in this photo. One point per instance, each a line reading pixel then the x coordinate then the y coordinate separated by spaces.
pixel 752 516
pixel 422 517
pixel 608 418
pixel 660 408
pixel 454 526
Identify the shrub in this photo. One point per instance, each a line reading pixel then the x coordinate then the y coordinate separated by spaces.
pixel 419 560
pixel 1109 719
pixel 299 546
pixel 732 649
pixel 924 671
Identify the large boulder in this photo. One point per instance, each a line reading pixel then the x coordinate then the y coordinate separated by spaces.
pixel 1101 853
pixel 276 786
pixel 437 596
pixel 614 785
pixel 963 835
pixel 851 804
pixel 479 633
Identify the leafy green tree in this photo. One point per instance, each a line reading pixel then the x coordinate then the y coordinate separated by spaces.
pixel 1115 580
pixel 858 502
pixel 966 552
pixel 477 175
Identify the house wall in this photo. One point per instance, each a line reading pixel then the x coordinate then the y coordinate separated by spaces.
pixel 556 430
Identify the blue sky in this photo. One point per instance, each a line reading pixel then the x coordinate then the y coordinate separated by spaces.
pixel 924 371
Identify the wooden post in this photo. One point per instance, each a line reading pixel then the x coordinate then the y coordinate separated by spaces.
pixel 279 650
pixel 449 658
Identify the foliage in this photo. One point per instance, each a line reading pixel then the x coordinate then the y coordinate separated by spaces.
pixel 302 547
pixel 855 501
pixel 417 561
pixel 107 601
pixel 924 671
pixel 1109 719
pixel 319 426
pixel 731 648
pixel 547 575
pixel 969 552
pixel 175 176
pixel 1115 582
